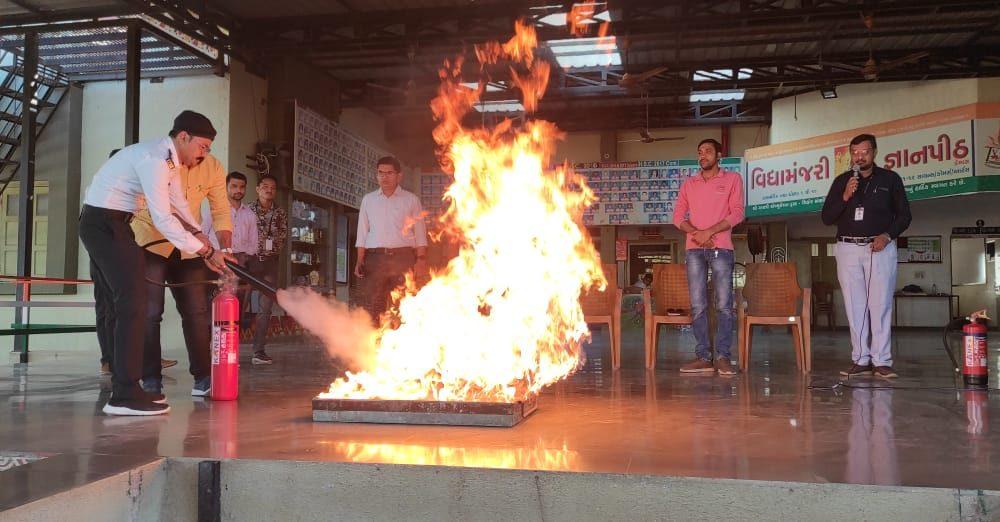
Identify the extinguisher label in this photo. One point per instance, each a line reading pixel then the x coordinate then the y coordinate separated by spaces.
pixel 224 337
pixel 216 341
pixel 976 361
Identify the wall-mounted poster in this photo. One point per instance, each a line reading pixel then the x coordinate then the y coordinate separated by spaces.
pixel 342 252
pixel 639 192
pixel 331 161
pixel 918 249
pixel 987 151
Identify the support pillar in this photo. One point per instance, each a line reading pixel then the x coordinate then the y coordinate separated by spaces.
pixel 133 63
pixel 26 177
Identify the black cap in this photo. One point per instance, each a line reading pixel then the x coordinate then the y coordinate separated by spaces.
pixel 195 124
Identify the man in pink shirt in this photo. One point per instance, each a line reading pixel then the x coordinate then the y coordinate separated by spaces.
pixel 709 205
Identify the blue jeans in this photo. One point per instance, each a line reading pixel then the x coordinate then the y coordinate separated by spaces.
pixel 721 261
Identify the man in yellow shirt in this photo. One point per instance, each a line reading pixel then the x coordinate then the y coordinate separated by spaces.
pixel 164 263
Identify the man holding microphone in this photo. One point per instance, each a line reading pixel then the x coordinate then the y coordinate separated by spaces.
pixel 870 208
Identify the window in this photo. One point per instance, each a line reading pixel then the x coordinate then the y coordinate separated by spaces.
pixel 721 74
pixel 586 52
pixel 714 96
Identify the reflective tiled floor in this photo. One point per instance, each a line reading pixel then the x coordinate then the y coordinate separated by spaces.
pixel 767 424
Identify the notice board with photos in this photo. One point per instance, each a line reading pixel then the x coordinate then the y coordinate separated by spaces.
pixel 640 192
pixel 432 189
pixel 918 249
pixel 330 161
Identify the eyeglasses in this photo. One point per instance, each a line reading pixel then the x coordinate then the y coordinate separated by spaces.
pixel 387 173
pixel 205 149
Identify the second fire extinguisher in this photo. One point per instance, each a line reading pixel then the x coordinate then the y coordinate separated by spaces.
pixel 225 344
pixel 975 362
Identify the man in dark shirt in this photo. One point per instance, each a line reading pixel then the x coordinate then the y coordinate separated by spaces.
pixel 869 206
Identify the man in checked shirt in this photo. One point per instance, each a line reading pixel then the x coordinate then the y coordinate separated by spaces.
pixel 272 230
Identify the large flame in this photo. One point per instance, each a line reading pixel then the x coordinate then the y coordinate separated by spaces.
pixel 503 319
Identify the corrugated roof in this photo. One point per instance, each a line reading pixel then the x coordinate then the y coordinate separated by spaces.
pixel 101 53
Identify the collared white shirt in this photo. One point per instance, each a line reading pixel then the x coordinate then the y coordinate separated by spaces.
pixel 244 228
pixel 148 170
pixel 391 222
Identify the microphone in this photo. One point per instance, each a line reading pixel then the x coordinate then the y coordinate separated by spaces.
pixel 856 170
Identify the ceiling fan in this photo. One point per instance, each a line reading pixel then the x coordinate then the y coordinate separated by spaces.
pixel 872 68
pixel 644 135
pixel 631 81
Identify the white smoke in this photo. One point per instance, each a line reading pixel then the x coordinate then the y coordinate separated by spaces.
pixel 347 334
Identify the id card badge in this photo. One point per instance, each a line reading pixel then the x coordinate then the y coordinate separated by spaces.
pixel 268 245
pixel 859 214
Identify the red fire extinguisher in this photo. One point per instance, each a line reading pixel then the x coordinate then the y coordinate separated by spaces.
pixel 225 345
pixel 975 365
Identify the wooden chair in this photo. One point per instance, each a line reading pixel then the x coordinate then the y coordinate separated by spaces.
pixel 822 303
pixel 772 296
pixel 606 307
pixel 669 292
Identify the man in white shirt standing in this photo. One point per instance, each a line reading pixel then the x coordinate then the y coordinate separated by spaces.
pixel 143 169
pixel 392 237
pixel 243 219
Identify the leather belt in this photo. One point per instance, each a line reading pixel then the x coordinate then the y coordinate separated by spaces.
pixel 856 240
pixel 118 215
pixel 389 251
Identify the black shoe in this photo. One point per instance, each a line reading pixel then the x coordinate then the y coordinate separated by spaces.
pixel 857 369
pixel 886 372
pixel 134 407
pixel 261 358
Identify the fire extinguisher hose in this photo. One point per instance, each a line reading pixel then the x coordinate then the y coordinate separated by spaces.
pixel 237 269
pixel 954 324
pixel 217 282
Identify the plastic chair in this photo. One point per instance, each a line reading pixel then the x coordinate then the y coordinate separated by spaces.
pixel 822 303
pixel 667 302
pixel 772 296
pixel 606 307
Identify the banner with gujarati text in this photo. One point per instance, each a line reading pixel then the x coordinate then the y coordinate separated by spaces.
pixel 937 154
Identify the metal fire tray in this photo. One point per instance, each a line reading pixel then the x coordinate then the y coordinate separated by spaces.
pixel 423 412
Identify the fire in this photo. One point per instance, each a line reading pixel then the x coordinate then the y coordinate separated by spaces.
pixel 535 458
pixel 502 319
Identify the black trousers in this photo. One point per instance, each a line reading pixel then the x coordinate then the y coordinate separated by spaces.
pixel 383 273
pixel 105 327
pixel 266 269
pixel 120 272
pixel 193 304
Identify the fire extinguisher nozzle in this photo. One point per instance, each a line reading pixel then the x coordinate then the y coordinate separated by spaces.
pixel 255 282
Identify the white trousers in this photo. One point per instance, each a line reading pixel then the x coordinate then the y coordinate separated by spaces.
pixel 868 281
